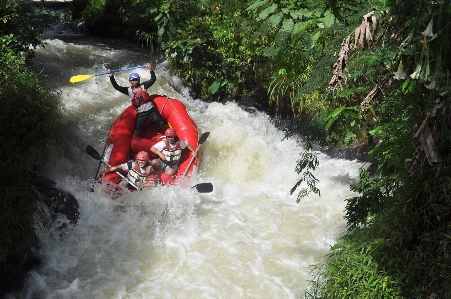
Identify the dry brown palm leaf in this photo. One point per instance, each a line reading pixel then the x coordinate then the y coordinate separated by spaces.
pixel 342 60
pixel 429 135
pixel 386 81
pixel 363 38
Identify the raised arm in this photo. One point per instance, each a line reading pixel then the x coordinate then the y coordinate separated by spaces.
pixel 116 86
pixel 152 79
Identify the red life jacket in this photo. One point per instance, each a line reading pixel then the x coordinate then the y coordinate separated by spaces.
pixel 173 155
pixel 138 96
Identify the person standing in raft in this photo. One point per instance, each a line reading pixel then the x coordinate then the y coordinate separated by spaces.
pixel 140 171
pixel 141 100
pixel 170 151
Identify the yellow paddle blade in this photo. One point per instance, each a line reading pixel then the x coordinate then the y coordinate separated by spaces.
pixel 80 78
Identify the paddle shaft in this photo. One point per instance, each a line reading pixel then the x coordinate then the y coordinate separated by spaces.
pixel 191 162
pixel 123 177
pixel 79 78
pixel 201 140
pixel 95 154
pixel 121 70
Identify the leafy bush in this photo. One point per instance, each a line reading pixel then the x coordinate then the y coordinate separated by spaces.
pixel 106 17
pixel 26 119
pixel 400 222
pixel 360 210
pixel 354 271
pixel 368 270
pixel 26 22
pixel 403 249
pixel 210 44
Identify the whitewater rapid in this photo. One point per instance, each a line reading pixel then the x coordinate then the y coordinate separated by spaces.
pixel 247 239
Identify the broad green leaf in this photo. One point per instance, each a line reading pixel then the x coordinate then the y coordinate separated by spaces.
pixel 267 11
pixel 275 19
pixel 328 19
pixel 330 122
pixel 306 13
pixel 336 112
pixel 272 52
pixel 266 26
pixel 375 131
pixel 301 27
pixel 161 31
pixel 315 37
pixel 332 117
pixel 281 37
pixel 288 25
pixel 296 14
pixel 257 4
pixel 214 87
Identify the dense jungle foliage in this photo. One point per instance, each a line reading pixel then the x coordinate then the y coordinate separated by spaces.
pixel 348 71
pixel 26 119
pixel 368 72
pixel 374 72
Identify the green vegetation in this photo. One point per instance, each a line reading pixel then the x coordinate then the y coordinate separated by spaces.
pixel 27 115
pixel 349 71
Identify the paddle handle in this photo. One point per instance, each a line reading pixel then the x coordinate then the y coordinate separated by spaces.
pixel 121 70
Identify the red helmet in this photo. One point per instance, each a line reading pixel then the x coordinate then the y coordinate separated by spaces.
pixel 170 132
pixel 142 156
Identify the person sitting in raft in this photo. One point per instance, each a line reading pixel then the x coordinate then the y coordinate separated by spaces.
pixel 140 171
pixel 170 151
pixel 141 100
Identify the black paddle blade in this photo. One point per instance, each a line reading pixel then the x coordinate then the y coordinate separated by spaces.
pixel 203 137
pixel 93 153
pixel 204 187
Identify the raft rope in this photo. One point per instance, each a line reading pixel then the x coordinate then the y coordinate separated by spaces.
pixel 175 109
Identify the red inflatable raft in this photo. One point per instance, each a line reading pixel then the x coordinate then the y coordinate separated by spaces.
pixel 121 144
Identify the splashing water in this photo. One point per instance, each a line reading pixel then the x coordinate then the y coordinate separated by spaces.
pixel 246 239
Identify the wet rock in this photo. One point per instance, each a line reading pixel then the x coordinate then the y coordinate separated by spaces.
pixel 55 200
pixel 14 269
pixel 54 209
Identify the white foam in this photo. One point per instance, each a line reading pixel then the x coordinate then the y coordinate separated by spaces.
pixel 246 239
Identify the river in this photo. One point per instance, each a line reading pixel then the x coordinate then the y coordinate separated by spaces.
pixel 246 239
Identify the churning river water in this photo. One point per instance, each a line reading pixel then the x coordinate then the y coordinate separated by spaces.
pixel 246 239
